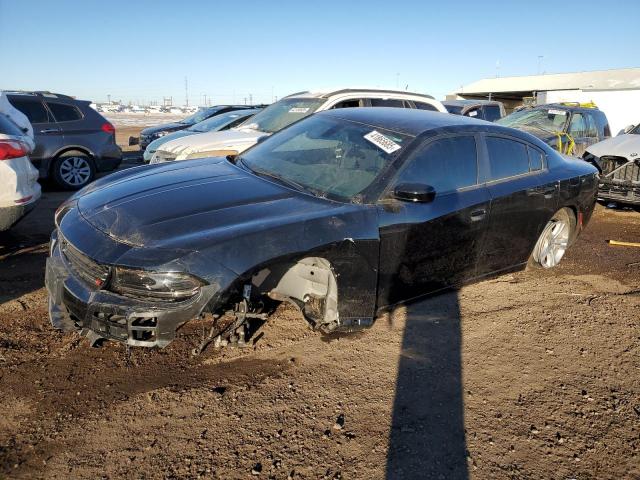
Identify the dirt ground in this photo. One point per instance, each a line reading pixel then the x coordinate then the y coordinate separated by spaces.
pixel 534 375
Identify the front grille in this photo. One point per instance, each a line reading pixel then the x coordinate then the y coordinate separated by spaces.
pixel 628 173
pixel 89 270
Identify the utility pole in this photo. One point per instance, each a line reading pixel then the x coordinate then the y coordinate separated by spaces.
pixel 250 99
pixel 186 91
pixel 540 57
pixel 109 99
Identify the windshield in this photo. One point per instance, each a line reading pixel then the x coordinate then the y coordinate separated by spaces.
pixel 550 119
pixel 218 122
pixel 636 130
pixel 282 114
pixel 199 116
pixel 330 157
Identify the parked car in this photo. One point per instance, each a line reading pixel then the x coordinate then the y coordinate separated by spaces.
pixel 618 160
pixel 344 213
pixel 282 114
pixel 481 109
pixel 567 127
pixel 223 121
pixel 149 134
pixel 72 141
pixel 20 190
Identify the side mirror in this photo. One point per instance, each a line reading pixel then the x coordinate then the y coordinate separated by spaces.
pixel 414 192
pixel 628 128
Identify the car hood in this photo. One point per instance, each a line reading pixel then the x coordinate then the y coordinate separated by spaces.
pixel 626 145
pixel 547 137
pixel 238 140
pixel 153 146
pixel 165 127
pixel 194 205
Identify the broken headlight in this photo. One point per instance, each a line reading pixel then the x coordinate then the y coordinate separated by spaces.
pixel 168 286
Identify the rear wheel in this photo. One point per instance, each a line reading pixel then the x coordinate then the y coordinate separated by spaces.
pixel 554 240
pixel 73 170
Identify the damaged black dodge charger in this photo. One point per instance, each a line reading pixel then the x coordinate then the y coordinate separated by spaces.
pixel 343 214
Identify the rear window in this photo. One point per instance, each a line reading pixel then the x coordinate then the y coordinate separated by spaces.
pixel 7 127
pixel 64 113
pixel 386 102
pixel 33 109
pixel 507 158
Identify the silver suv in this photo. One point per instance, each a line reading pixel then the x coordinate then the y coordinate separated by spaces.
pixel 73 141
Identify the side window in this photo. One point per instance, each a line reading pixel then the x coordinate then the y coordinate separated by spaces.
pixel 386 102
pixel 578 126
pixel 592 130
pixel 33 109
pixel 492 113
pixel 536 159
pixel 348 103
pixel 507 158
pixel 446 164
pixel 64 113
pixel 425 106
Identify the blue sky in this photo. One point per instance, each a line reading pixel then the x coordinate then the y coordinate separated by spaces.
pixel 143 50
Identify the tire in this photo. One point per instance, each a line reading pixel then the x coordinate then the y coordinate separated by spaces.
pixel 554 240
pixel 73 170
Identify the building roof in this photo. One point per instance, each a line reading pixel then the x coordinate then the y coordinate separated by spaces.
pixel 627 78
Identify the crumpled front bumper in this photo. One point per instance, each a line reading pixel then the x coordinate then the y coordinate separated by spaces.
pixel 98 313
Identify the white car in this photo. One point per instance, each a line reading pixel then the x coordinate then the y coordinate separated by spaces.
pixel 19 187
pixel 618 159
pixel 283 113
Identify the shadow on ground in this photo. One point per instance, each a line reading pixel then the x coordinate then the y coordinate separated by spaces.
pixel 427 438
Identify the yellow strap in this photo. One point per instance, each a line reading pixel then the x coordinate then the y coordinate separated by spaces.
pixel 624 244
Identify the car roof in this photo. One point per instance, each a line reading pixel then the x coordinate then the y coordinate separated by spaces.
pixel 566 106
pixel 326 93
pixel 464 103
pixel 39 93
pixel 403 120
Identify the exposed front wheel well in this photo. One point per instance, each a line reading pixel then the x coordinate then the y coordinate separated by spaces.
pixel 310 283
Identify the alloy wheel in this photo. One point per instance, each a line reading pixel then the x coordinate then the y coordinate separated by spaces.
pixel 75 171
pixel 553 243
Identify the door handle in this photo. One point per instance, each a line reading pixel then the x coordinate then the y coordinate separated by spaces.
pixel 49 130
pixel 478 215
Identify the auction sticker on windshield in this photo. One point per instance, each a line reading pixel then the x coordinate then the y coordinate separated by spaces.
pixel 299 110
pixel 557 112
pixel 385 143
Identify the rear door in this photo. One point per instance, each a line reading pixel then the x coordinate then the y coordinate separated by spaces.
pixel 425 247
pixel 523 199
pixel 75 129
pixel 48 136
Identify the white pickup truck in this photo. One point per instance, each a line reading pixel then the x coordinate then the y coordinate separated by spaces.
pixel 282 114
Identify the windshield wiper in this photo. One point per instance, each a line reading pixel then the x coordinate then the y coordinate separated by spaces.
pixel 286 181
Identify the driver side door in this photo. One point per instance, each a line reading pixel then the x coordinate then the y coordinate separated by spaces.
pixel 425 247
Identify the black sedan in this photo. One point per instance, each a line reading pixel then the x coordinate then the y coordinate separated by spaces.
pixel 150 134
pixel 344 214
